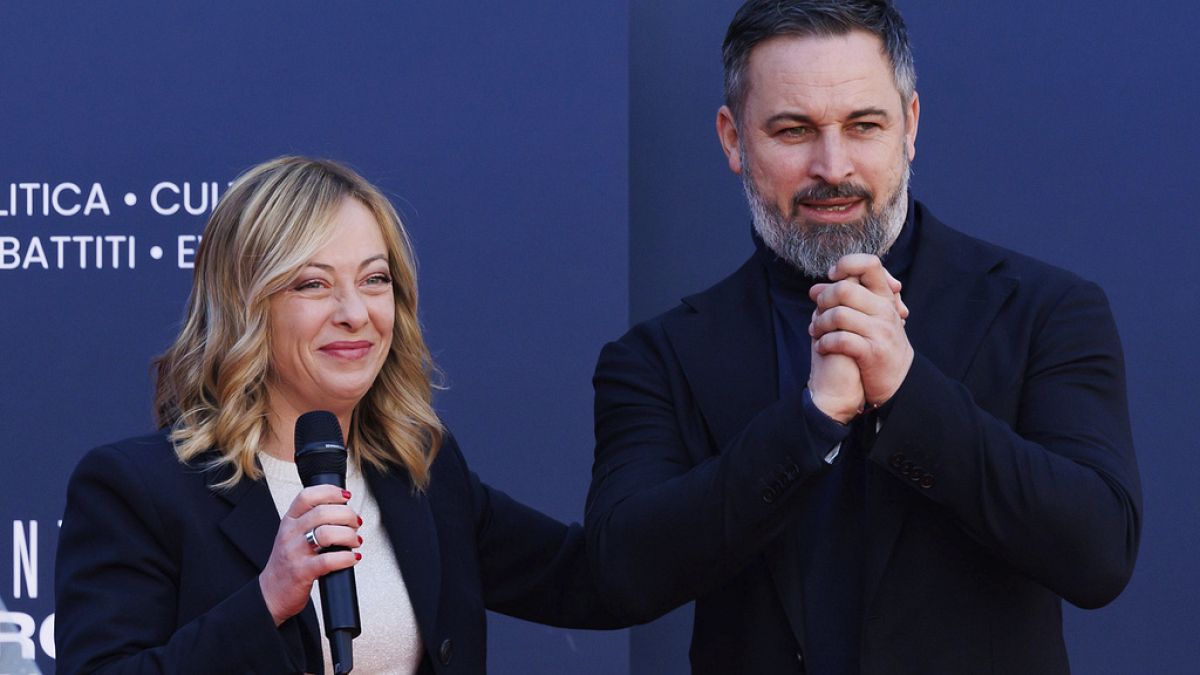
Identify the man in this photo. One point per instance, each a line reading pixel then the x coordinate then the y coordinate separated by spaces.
pixel 880 446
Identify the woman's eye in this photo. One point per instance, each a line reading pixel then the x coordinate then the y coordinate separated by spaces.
pixel 379 280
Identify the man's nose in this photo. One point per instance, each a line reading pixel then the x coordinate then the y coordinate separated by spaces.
pixel 831 159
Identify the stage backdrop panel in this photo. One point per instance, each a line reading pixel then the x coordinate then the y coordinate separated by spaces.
pixel 1062 130
pixel 499 130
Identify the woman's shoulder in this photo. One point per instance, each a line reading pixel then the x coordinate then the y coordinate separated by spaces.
pixel 147 450
pixel 449 471
pixel 148 459
pixel 448 452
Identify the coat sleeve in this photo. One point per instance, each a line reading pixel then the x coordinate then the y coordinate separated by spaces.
pixel 532 566
pixel 116 587
pixel 1056 495
pixel 667 520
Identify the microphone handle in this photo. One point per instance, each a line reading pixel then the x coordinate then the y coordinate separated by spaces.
pixel 342 623
pixel 339 616
pixel 327 479
pixel 341 652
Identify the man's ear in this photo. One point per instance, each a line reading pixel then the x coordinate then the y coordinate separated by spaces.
pixel 727 133
pixel 911 119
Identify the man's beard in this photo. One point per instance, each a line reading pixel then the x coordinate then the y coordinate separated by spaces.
pixel 813 248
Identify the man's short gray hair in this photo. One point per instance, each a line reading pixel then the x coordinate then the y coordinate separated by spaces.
pixel 759 20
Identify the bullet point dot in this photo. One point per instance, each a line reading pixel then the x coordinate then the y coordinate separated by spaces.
pixel 156 252
pixel 130 199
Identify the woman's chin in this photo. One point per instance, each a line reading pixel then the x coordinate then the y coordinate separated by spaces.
pixel 339 400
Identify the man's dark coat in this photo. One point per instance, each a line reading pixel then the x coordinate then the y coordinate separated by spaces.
pixel 1002 480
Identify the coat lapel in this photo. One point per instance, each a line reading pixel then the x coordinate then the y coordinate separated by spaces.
pixel 251 526
pixel 408 519
pixel 726 349
pixel 252 521
pixel 954 293
pixel 956 283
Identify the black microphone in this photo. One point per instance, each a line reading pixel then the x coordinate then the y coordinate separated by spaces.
pixel 321 460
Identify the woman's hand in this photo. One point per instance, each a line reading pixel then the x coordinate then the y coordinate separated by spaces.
pixel 294 564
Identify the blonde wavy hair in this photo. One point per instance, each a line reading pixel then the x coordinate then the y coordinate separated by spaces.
pixel 212 390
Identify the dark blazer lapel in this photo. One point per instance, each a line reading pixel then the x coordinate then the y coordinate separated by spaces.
pixel 953 294
pixel 408 520
pixel 251 527
pixel 726 349
pixel 955 284
pixel 252 521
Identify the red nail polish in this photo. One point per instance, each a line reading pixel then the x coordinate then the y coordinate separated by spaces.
pixel 360 541
pixel 360 520
pixel 345 494
pixel 358 556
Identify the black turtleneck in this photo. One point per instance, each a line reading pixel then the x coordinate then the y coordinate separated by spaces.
pixel 831 527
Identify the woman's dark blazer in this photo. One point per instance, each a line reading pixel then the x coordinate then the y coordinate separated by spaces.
pixel 158 572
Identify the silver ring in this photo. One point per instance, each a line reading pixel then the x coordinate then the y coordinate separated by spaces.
pixel 311 538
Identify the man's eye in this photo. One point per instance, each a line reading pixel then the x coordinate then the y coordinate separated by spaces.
pixel 795 132
pixel 865 127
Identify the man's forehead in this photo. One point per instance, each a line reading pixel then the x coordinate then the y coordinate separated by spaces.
pixel 855 53
pixel 850 69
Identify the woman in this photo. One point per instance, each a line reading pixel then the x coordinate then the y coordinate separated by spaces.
pixel 195 549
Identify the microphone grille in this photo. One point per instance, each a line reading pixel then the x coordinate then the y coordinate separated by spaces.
pixel 318 426
pixel 319 446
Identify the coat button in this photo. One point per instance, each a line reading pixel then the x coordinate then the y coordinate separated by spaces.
pixel 769 495
pixel 926 481
pixel 897 460
pixel 906 468
pixel 791 472
pixel 446 652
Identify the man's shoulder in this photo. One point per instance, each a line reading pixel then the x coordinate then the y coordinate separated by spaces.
pixel 696 312
pixel 954 247
pixel 744 286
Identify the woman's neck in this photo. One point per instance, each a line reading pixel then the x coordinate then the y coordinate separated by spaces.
pixel 281 420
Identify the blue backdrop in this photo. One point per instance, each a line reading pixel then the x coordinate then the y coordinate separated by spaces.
pixel 557 166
